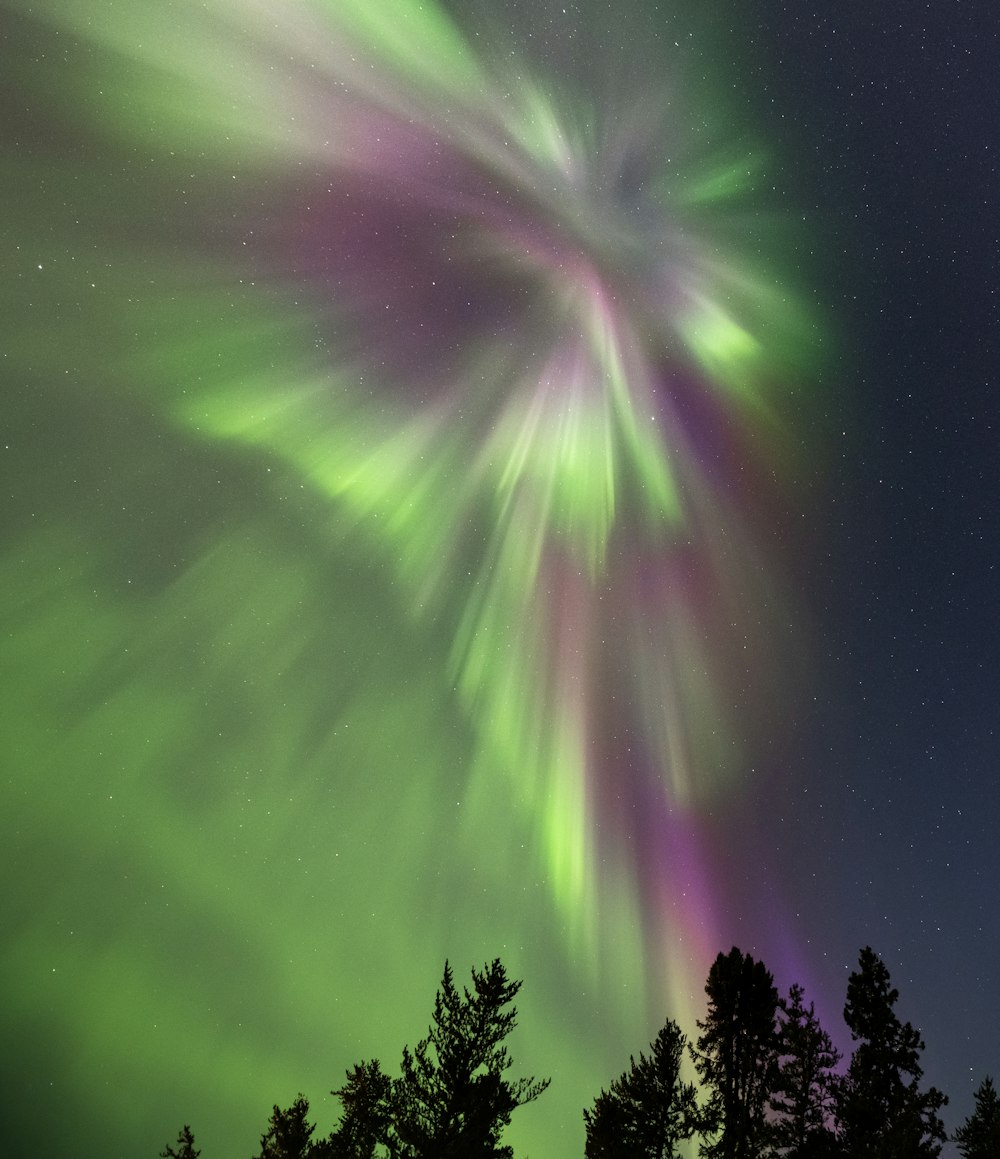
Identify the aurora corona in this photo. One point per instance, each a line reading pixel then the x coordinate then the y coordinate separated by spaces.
pixel 509 321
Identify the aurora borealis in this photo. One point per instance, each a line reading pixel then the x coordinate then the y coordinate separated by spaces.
pixel 416 414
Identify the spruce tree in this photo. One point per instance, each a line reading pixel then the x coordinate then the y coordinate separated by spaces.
pixel 288 1135
pixel 737 1055
pixel 185 1146
pixel 366 1120
pixel 802 1102
pixel 649 1110
pixel 453 1099
pixel 979 1136
pixel 881 1110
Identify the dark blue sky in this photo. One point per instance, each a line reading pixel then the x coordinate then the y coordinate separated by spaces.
pixel 899 109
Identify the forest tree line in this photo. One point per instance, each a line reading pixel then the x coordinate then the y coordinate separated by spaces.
pixel 771 1084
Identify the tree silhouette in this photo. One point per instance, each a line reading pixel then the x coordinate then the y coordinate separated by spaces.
pixel 802 1103
pixel 366 1120
pixel 289 1135
pixel 608 1128
pixel 453 1101
pixel 185 1146
pixel 737 1054
pixel 648 1110
pixel 979 1136
pixel 881 1110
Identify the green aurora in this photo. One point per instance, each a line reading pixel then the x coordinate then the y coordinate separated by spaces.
pixel 321 662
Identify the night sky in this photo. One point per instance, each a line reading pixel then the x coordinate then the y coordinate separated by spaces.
pixel 507 479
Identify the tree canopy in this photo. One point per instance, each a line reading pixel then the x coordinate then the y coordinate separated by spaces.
pixel 737 1054
pixel 288 1134
pixel 881 1110
pixel 366 1121
pixel 771 1084
pixel 649 1109
pixel 979 1136
pixel 802 1101
pixel 453 1099
pixel 185 1146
